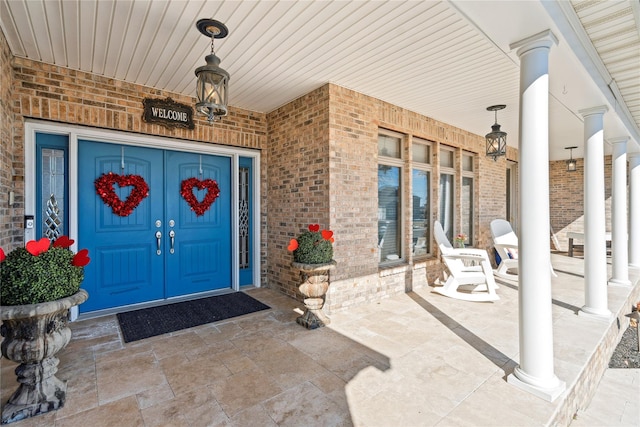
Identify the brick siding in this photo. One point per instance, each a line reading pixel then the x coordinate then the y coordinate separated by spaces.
pixel 323 168
pixel 42 91
pixel 566 198
pixel 8 214
pixel 318 165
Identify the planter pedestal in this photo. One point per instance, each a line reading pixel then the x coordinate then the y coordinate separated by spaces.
pixel 33 335
pixel 315 283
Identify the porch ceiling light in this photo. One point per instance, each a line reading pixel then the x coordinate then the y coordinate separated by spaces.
pixel 496 139
pixel 571 163
pixel 213 82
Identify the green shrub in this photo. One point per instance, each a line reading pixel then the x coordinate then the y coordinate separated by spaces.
pixel 29 279
pixel 313 248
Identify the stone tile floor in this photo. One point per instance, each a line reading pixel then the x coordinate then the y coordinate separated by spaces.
pixel 416 359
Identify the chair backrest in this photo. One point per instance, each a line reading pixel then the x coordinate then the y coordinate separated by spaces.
pixel 441 238
pixel 502 232
pixel 446 248
pixel 454 265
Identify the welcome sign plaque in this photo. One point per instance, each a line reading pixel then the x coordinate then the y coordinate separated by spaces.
pixel 167 112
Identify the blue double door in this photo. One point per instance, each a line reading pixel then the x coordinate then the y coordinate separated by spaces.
pixel 162 248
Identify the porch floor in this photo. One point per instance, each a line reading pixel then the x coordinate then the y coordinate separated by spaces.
pixel 416 359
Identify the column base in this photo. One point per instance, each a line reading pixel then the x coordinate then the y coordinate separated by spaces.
pixel 634 266
pixel 621 283
pixel 595 313
pixel 547 390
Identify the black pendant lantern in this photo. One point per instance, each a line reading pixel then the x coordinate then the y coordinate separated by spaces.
pixel 572 164
pixel 496 139
pixel 213 82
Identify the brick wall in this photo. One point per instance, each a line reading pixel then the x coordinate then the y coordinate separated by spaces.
pixel 60 94
pixel 323 168
pixel 8 214
pixel 566 197
pixel 298 181
pixel 319 165
pixel 47 92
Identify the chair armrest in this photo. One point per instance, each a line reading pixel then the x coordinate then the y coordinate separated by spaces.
pixel 505 245
pixel 470 251
pixel 477 257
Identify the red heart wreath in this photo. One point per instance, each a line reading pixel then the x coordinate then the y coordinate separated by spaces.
pixel 104 188
pixel 186 190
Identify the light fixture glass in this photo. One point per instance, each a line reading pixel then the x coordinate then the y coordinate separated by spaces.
pixel 496 139
pixel 572 164
pixel 213 82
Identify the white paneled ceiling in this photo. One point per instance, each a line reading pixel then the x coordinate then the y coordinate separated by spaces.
pixel 444 59
pixel 613 28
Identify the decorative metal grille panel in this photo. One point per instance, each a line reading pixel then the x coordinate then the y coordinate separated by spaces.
pixel 244 217
pixel 52 221
pixel 53 183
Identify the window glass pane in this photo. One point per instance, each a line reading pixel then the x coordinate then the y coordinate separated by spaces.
pixel 389 146
pixel 467 163
pixel 389 213
pixel 446 158
pixel 467 208
pixel 446 204
pixel 421 153
pixel 52 194
pixel 421 227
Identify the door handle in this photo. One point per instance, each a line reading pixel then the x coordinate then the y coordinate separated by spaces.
pixel 172 235
pixel 158 242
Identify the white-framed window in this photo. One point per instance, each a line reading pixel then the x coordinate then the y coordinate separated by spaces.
pixel 436 181
pixel 421 171
pixel 446 208
pixel 390 165
pixel 467 200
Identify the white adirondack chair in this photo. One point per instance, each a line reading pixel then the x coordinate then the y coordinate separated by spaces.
pixel 469 283
pixel 506 244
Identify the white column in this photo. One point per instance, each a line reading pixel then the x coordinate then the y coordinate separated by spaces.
pixel 619 242
pixel 535 373
pixel 634 210
pixel 595 249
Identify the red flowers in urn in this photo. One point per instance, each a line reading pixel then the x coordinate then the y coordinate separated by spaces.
pixel 41 271
pixel 313 246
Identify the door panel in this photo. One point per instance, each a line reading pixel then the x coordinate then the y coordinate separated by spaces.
pixel 202 257
pixel 125 268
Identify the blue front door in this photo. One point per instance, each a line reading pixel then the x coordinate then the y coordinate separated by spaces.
pixel 162 248
pixel 201 257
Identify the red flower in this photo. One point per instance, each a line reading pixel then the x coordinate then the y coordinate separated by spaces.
pixel 38 247
pixel 81 258
pixel 63 242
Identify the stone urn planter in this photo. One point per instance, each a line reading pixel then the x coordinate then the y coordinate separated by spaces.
pixel 314 286
pixel 33 335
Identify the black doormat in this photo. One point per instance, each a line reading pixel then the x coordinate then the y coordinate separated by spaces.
pixel 149 322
